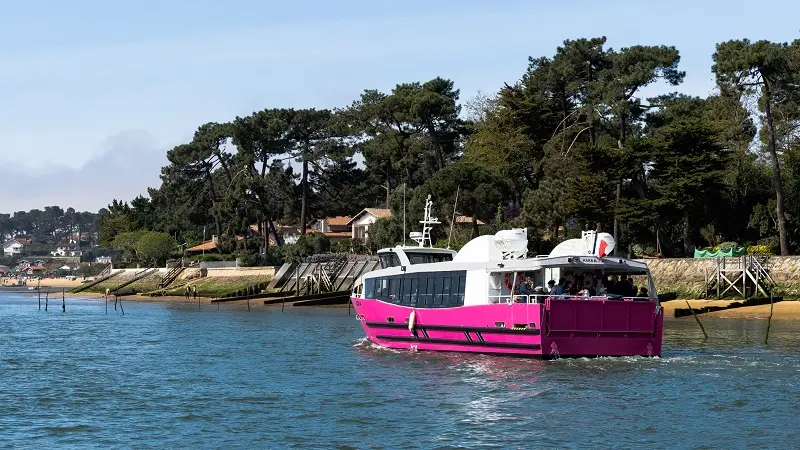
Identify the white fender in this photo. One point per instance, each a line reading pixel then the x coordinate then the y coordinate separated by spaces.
pixel 412 320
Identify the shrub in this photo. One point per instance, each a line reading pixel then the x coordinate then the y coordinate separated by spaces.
pixel 760 250
pixel 349 246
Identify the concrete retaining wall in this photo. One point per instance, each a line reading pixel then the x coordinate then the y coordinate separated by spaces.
pixel 686 276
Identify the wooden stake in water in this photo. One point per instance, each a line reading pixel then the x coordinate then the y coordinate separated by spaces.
pixel 63 301
pixel 702 328
pixel 120 304
pixel 46 295
pixel 248 303
pixel 769 319
pixel 349 303
pixel 40 298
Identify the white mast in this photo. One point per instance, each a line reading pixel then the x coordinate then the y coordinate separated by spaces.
pixel 425 236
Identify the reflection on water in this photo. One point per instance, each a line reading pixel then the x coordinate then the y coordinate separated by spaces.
pixel 172 376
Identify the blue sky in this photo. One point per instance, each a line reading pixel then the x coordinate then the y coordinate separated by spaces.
pixel 93 92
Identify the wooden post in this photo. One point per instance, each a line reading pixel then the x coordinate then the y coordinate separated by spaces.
pixel 283 303
pixel 297 281
pixel 106 296
pixel 120 304
pixel 39 292
pixel 702 328
pixel 718 268
pixel 745 272
pixel 248 303
pixel 349 303
pixel 46 295
pixel 63 301
pixel 769 319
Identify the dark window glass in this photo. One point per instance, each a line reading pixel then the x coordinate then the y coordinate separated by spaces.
pixel 369 288
pixel 414 292
pixel 405 291
pixel 430 294
pixel 384 289
pixel 437 299
pixel 427 258
pixel 445 292
pixel 394 290
pixel 389 260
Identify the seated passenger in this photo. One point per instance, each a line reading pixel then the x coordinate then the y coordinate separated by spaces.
pixel 588 290
pixel 643 292
pixel 551 286
pixel 568 289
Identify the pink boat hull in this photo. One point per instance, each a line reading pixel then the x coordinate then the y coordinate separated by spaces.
pixel 556 328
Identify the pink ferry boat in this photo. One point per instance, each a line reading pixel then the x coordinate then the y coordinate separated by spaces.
pixel 426 298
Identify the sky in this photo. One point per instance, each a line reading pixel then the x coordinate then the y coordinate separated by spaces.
pixel 94 92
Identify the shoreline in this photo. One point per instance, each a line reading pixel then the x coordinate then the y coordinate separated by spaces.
pixel 783 310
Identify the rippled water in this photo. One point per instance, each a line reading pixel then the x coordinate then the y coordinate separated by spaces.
pixel 172 376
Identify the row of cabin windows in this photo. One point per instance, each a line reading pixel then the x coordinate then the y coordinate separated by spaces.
pixel 433 290
pixel 390 259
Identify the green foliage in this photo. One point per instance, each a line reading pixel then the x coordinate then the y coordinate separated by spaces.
pixel 349 246
pixel 154 247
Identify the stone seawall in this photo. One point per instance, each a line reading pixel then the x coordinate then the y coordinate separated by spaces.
pixel 686 276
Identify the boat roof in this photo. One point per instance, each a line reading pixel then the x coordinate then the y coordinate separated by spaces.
pixel 608 265
pixel 416 249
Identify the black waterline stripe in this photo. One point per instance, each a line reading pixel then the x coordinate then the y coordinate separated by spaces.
pixel 533 331
pixel 458 342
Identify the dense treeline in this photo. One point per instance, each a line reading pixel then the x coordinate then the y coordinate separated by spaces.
pixel 52 225
pixel 571 145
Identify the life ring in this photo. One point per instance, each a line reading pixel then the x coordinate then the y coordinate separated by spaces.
pixel 507 279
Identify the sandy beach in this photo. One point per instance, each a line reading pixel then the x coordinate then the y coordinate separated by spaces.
pixel 785 310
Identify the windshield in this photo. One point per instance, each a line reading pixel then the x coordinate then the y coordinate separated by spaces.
pixel 427 258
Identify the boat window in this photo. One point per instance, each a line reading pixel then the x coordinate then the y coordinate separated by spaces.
pixel 405 292
pixel 445 292
pixel 394 290
pixel 430 290
pixel 369 288
pixel 389 260
pixel 458 286
pixel 427 258
pixel 384 295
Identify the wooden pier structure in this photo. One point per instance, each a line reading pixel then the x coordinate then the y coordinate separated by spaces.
pixel 743 276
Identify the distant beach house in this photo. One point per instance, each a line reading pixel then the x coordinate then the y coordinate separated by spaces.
pixel 362 222
pixel 334 228
pixel 207 246
pixel 103 260
pixel 13 247
pixel 66 250
pixel 4 271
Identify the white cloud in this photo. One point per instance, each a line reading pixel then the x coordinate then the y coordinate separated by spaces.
pixel 129 163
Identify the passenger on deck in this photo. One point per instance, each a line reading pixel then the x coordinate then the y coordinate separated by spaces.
pixel 551 286
pixel 559 288
pixel 526 287
pixel 643 292
pixel 588 290
pixel 568 289
pixel 612 285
